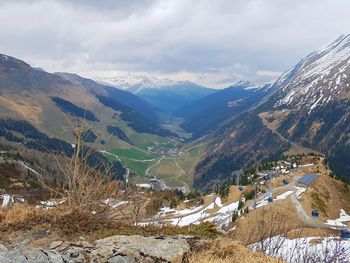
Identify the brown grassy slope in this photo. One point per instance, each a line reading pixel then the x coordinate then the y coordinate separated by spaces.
pixel 326 194
pixel 225 250
pixel 256 225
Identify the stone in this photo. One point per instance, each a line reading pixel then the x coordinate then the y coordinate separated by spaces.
pixel 2 247
pixel 165 248
pixel 104 251
pixel 31 255
pixel 115 249
pixel 56 244
pixel 121 259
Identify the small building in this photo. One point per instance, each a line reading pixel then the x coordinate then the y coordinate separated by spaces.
pixel 307 179
pixel 344 233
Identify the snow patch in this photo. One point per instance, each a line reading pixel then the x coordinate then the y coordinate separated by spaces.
pixel 343 217
pixel 284 195
pixel 6 200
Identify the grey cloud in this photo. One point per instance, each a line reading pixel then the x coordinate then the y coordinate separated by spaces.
pixel 203 37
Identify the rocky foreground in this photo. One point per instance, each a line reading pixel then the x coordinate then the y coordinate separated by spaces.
pixel 129 249
pixel 116 249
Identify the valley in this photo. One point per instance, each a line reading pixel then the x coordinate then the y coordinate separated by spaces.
pixel 265 165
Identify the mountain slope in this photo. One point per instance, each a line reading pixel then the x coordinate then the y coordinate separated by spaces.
pixel 310 108
pixel 172 97
pixel 121 96
pixel 204 115
pixel 51 102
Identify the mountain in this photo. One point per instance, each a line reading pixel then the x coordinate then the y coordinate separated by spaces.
pixel 204 115
pixel 165 94
pixel 135 83
pixel 128 99
pixel 48 104
pixel 310 108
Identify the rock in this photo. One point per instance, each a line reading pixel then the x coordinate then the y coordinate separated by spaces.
pixel 121 259
pixel 115 249
pixel 2 247
pixel 31 255
pixel 56 244
pixel 76 254
pixel 104 252
pixel 167 249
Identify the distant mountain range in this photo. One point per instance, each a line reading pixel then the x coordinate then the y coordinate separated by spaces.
pixel 206 114
pixel 168 95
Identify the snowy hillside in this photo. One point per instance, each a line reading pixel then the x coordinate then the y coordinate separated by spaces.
pixel 318 78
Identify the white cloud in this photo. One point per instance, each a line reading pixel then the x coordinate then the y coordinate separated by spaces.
pixel 211 42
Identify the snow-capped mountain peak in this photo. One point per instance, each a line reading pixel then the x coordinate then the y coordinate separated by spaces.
pixel 247 85
pixel 136 83
pixel 318 78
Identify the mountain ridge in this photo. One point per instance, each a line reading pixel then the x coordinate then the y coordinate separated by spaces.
pixel 274 126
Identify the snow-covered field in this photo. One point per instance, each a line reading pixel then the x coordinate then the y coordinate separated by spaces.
pixel 284 195
pixel 308 249
pixel 199 214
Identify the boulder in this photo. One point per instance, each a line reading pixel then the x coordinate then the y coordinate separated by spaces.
pixel 115 249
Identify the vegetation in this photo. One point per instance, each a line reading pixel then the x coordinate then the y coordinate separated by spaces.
pixel 235 216
pixel 118 133
pixel 72 223
pixel 224 189
pixel 73 110
pixel 136 121
pixel 88 136
pixel 227 250
pixel 87 185
pixel 249 195
pixel 34 139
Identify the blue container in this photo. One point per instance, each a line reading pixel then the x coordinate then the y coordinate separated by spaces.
pixel 344 233
pixel 314 213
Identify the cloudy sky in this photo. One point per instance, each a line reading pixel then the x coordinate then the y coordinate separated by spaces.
pixel 210 42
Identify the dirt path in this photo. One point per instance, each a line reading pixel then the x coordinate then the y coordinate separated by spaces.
pixel 181 173
pixel 111 154
pixel 313 222
pixel 293 144
pixel 154 165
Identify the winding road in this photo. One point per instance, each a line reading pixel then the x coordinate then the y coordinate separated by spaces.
pixel 303 216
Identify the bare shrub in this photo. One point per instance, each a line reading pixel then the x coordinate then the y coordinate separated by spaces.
pixel 86 186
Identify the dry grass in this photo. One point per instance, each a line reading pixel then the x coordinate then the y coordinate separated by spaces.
pixel 267 221
pixel 326 194
pixel 24 106
pixel 225 250
pixel 71 223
